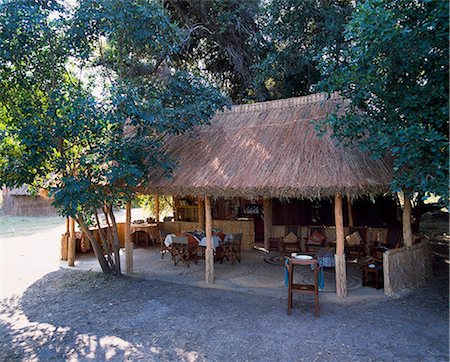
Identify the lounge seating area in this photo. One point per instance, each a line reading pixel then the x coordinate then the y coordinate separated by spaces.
pixel 359 241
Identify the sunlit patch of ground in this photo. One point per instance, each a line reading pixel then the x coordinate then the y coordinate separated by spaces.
pixel 29 249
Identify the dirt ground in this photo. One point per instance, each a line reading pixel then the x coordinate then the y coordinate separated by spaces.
pixel 77 316
pixel 53 314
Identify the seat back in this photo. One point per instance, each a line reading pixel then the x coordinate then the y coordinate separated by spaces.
pixel 361 229
pixel 394 238
pixel 180 240
pixel 162 235
pixel 238 237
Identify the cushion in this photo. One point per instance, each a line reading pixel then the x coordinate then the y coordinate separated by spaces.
pixel 290 238
pixel 353 239
pixel 191 238
pixel 316 238
pixel 220 235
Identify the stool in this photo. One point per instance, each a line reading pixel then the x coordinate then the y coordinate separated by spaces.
pixel 303 288
pixel 373 277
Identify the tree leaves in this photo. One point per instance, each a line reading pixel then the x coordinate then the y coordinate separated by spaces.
pixel 395 71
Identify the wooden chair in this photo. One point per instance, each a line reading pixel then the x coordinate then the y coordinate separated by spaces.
pixel 225 251
pixel 290 243
pixel 394 240
pixel 236 248
pixel 316 238
pixel 183 251
pixel 164 249
pixel 140 238
pixel 311 289
pixel 354 242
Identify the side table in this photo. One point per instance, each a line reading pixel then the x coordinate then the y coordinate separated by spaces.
pixel 373 277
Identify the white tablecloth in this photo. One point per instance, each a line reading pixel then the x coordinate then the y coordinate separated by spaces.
pixel 215 242
pixel 168 240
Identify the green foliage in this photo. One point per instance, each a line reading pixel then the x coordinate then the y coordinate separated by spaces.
pixel 394 70
pixel 148 203
pixel 293 33
pixel 220 42
pixel 87 96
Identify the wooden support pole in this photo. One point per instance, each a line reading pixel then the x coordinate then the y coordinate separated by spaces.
pixel 72 243
pixel 201 213
pixel 65 241
pixel 406 219
pixel 340 266
pixel 267 206
pixel 209 254
pixel 157 209
pixel 350 211
pixel 128 243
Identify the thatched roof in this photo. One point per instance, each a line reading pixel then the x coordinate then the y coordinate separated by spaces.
pixel 270 149
pixel 21 191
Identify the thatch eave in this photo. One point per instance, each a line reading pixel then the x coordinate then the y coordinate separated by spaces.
pixel 270 150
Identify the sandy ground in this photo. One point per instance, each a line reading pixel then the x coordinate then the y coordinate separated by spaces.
pixel 53 314
pixel 26 258
pixel 80 316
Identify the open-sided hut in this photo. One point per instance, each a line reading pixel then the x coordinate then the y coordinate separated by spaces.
pixel 272 150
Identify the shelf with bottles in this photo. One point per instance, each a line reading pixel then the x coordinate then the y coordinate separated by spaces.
pixel 186 209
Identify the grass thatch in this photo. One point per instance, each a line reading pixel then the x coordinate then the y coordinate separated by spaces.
pixel 270 149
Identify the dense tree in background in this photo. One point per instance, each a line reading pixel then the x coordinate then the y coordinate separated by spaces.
pixel 394 70
pixel 293 34
pixel 220 46
pixel 87 95
pixel 260 50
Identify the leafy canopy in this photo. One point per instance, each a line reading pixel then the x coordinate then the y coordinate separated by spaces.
pixel 394 69
pixel 87 95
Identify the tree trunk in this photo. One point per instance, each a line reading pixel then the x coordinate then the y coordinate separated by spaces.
pixel 98 251
pixel 115 241
pixel 267 207
pixel 128 243
pixel 340 266
pixel 209 255
pixel 71 249
pixel 407 228
pixel 104 242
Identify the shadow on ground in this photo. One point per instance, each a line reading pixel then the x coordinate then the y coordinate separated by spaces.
pixel 88 316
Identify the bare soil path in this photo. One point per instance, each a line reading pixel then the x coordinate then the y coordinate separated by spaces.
pixel 53 314
pixel 75 315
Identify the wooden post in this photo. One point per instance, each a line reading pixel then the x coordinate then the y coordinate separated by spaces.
pixel 157 209
pixel 341 272
pixel 267 206
pixel 128 243
pixel 72 243
pixel 406 219
pixel 209 254
pixel 201 214
pixel 65 241
pixel 350 212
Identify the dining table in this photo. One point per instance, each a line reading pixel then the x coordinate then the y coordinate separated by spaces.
pixel 151 229
pixel 215 242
